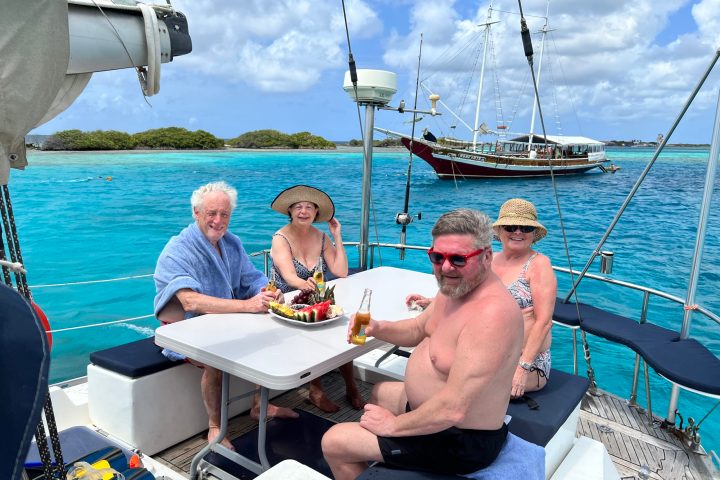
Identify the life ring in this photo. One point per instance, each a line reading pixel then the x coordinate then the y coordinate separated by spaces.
pixel 44 320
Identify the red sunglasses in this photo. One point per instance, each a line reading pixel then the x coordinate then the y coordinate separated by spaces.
pixel 455 259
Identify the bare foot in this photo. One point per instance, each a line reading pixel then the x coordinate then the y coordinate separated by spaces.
pixel 214 432
pixel 355 399
pixel 273 412
pixel 319 399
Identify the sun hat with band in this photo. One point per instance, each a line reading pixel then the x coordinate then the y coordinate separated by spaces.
pixel 304 193
pixel 517 211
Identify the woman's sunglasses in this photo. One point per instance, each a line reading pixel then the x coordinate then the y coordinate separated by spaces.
pixel 522 228
pixel 455 259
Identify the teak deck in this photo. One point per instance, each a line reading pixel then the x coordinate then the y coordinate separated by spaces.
pixel 625 431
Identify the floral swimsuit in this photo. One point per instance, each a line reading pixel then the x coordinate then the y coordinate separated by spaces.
pixel 300 270
pixel 520 290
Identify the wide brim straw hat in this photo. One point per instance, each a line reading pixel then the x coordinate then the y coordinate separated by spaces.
pixel 517 211
pixel 305 193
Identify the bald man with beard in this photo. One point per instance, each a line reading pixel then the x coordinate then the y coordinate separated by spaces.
pixel 448 414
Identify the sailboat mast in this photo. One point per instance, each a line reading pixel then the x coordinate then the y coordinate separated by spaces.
pixel 482 76
pixel 539 71
pixel 366 186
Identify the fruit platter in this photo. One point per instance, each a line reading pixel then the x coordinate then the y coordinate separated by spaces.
pixel 309 308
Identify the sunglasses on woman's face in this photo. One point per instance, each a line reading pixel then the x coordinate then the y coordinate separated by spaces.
pixel 455 259
pixel 522 228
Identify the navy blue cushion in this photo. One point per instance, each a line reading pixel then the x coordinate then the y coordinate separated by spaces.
pixel 599 322
pixel 566 313
pixel 685 362
pixel 611 326
pixel 388 472
pixel 135 359
pixel 556 402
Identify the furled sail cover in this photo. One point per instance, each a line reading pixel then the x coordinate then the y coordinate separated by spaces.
pixel 34 52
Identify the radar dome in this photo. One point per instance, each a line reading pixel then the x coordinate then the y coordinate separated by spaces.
pixel 373 86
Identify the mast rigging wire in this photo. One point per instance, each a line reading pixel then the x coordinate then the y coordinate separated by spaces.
pixel 527 45
pixel 410 156
pixel 644 173
pixel 50 469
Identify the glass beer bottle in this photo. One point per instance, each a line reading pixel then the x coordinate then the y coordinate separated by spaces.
pixel 319 277
pixel 362 319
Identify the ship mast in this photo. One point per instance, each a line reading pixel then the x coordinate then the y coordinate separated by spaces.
pixel 544 32
pixel 482 75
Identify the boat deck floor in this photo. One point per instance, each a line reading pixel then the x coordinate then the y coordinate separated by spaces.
pixel 625 431
pixel 633 441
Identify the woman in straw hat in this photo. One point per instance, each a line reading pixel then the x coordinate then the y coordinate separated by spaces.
pixel 298 251
pixel 298 248
pixel 530 279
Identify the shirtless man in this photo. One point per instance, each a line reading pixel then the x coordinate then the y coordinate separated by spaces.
pixel 447 416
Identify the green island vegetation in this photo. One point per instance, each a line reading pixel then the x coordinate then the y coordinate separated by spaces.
pixel 385 142
pixel 160 138
pixel 275 139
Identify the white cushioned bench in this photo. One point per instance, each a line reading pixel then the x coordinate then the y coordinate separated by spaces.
pixel 140 397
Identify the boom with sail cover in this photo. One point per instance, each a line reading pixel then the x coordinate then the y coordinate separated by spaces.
pixel 50 48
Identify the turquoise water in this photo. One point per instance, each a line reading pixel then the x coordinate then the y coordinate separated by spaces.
pixel 76 225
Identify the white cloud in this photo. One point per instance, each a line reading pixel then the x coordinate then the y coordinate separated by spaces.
pixel 707 16
pixel 603 55
pixel 275 46
pixel 614 63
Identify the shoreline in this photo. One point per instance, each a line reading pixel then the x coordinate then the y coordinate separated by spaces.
pixel 340 148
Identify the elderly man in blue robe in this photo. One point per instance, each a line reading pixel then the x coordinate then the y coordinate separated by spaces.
pixel 205 269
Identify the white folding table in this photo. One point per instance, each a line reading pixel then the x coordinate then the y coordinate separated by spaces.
pixel 280 356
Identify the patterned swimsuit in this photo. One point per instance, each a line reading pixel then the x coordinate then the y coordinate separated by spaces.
pixel 300 270
pixel 520 290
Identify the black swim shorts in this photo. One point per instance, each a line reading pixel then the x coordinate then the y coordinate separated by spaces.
pixel 455 450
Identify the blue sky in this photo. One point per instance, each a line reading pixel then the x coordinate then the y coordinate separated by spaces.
pixel 620 69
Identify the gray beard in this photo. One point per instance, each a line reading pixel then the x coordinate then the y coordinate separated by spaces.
pixel 457 291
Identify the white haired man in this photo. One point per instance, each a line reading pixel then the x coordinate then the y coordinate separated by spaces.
pixel 205 269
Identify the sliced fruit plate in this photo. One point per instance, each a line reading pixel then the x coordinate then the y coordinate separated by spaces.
pixel 307 315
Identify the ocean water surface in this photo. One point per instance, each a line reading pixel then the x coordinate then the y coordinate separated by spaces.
pixel 96 216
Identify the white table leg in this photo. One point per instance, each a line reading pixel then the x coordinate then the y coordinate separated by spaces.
pixel 262 428
pixel 224 395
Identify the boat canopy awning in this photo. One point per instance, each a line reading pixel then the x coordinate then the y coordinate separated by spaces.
pixel 557 140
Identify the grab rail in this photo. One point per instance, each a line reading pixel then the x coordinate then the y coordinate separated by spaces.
pixel 647 291
pixel 374 247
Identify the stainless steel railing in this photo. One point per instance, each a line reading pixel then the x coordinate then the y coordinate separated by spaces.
pixel 647 291
pixel 647 294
